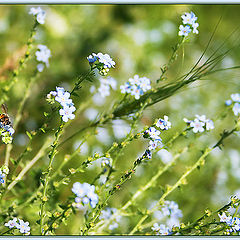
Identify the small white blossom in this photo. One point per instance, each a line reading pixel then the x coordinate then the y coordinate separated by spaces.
pixel 197 126
pixel 67 113
pixel 164 230
pixel 136 86
pixel 235 97
pixel 153 133
pixel 201 118
pixel 136 91
pixel 154 144
pixel 161 229
pixel 189 18
pixel 63 98
pixel 236 109
pixel 228 102
pixel 103 62
pixel 164 124
pixel 236 103
pixel 41 17
pixel 11 223
pixel 23 226
pixel 40 67
pixel 113 226
pixel 195 26
pixel 85 194
pixel 209 125
pixel 156 227
pixel 35 11
pixel 126 88
pixel 39 13
pixel 189 24
pixel 200 123
pixel 43 55
pixel 144 84
pixel 104 90
pixel 106 60
pixel 135 80
pixel 225 218
pixel 184 30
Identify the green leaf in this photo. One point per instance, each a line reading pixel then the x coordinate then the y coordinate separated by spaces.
pixel 29 134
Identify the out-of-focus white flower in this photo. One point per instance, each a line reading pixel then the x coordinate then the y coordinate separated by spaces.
pixel 39 13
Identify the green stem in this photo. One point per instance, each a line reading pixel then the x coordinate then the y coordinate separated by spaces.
pixel 145 188
pixel 181 180
pixel 48 172
pixel 8 231
pixel 171 60
pixel 22 61
pixel 19 113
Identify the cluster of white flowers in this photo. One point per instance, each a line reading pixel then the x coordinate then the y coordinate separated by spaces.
pixel 190 24
pixel 170 214
pixel 21 225
pixel 161 229
pixel 235 103
pixel 106 214
pixel 200 123
pixel 105 84
pixel 39 13
pixel 233 223
pixel 103 62
pixel 153 134
pixel 42 54
pixel 85 195
pixel 136 86
pixel 63 97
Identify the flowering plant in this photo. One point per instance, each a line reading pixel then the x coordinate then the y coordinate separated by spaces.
pixel 95 144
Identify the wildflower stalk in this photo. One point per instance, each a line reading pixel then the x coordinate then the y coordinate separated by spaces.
pixel 172 188
pixel 150 183
pixel 116 187
pixel 171 60
pixel 28 166
pixel 52 154
pixel 57 216
pixel 56 173
pixel 25 169
pixel 154 96
pixel 198 222
pixel 127 176
pixel 19 113
pixel 182 179
pixel 43 128
pixel 130 136
pixel 162 92
pixel 22 62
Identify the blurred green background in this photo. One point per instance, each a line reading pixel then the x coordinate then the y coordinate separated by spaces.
pixel 139 38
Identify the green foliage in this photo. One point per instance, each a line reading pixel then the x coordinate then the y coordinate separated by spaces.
pixel 189 75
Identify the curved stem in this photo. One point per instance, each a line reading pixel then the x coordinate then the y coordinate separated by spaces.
pixel 38 156
pixel 181 180
pixel 19 114
pixel 48 172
